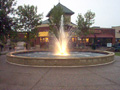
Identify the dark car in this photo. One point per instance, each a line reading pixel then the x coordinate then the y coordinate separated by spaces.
pixel 116 47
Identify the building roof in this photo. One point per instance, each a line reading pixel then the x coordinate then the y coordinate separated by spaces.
pixel 47 22
pixel 65 10
pixel 101 36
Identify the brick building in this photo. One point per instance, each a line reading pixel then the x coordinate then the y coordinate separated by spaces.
pixel 102 35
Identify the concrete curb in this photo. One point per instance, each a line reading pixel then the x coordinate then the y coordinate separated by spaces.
pixel 61 66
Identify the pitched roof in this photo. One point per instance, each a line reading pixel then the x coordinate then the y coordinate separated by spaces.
pixel 100 36
pixel 65 10
pixel 45 21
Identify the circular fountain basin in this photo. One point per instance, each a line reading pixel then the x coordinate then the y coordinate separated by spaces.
pixel 76 59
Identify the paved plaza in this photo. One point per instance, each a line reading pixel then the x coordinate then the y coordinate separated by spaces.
pixel 14 77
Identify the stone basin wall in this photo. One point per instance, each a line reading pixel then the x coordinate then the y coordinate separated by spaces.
pixel 77 61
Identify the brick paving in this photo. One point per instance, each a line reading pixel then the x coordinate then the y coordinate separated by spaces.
pixel 14 77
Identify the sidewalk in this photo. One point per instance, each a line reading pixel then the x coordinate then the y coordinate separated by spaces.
pixel 6 51
pixel 14 77
pixel 3 52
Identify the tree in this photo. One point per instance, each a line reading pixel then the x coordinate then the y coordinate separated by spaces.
pixel 28 19
pixel 84 24
pixel 55 17
pixel 6 21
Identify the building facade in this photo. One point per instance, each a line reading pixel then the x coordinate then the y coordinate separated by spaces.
pixel 44 38
pixel 101 36
pixel 117 34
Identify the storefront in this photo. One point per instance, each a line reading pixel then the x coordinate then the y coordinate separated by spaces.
pixel 100 37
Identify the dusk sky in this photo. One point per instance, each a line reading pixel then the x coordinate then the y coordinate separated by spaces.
pixel 107 11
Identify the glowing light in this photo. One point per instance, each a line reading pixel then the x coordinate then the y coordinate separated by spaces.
pixel 62 41
pixel 42 34
pixel 62 48
pixel 87 39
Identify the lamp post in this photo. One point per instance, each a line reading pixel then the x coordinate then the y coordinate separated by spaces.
pixel 94 43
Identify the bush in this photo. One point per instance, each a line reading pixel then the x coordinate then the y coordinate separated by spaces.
pixel 32 44
pixel 93 46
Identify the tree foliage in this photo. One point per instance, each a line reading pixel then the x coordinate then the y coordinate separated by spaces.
pixel 84 23
pixel 7 23
pixel 55 17
pixel 28 19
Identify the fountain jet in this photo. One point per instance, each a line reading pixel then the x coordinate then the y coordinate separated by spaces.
pixel 62 41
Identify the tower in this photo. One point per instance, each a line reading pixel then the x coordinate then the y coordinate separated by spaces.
pixel 67 12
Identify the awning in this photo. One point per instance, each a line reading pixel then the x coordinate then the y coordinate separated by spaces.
pixel 43 34
pixel 104 36
pixel 100 36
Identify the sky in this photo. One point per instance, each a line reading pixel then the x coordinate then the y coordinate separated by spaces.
pixel 107 12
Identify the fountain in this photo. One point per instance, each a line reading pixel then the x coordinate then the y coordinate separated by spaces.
pixel 62 41
pixel 61 57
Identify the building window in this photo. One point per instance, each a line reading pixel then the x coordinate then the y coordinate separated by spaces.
pixel 118 31
pixel 87 40
pixel 74 39
pixel 44 39
pixel 43 34
pixel 25 36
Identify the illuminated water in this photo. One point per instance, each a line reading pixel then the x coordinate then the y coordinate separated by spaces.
pixel 62 41
pixel 50 54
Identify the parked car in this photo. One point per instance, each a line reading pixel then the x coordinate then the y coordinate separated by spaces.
pixel 116 47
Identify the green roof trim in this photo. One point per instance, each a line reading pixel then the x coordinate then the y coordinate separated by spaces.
pixel 47 22
pixel 65 10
